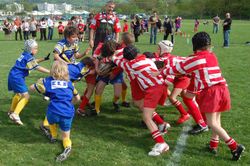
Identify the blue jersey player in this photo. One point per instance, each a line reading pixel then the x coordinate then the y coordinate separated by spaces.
pixel 60 110
pixel 16 79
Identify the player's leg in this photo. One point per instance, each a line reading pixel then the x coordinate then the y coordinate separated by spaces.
pixel 98 95
pixel 19 107
pixel 178 105
pixel 124 94
pixel 14 102
pixel 117 94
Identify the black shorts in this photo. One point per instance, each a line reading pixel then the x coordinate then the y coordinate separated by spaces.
pixel 33 33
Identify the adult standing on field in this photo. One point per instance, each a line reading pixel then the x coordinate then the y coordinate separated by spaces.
pixel 17 24
pixel 104 24
pixel 153 29
pixel 226 29
pixel 216 22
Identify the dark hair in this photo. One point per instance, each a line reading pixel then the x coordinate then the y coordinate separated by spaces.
pixel 201 41
pixel 108 48
pixel 70 30
pixel 110 2
pixel 130 52
pixel 149 54
pixel 159 64
pixel 128 38
pixel 88 61
pixel 60 22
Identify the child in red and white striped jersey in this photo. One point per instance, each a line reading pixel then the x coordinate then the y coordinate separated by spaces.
pixel 213 97
pixel 151 90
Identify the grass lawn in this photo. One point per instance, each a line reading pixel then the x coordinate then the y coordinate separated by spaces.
pixel 118 138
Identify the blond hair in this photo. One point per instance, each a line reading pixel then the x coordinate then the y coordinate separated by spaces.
pixel 59 71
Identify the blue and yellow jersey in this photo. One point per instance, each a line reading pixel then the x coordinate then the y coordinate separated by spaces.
pixel 77 71
pixel 24 64
pixel 60 93
pixel 65 50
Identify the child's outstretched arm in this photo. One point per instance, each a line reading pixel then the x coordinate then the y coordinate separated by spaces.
pixel 86 52
pixel 43 59
pixel 77 97
pixel 42 69
pixel 38 86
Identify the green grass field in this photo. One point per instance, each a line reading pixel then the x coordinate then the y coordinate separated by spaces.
pixel 118 138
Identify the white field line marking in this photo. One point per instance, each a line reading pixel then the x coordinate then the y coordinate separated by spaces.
pixel 180 146
pixel 4 66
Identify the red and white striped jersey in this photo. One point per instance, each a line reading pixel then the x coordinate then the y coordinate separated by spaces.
pixel 98 50
pixel 203 68
pixel 141 69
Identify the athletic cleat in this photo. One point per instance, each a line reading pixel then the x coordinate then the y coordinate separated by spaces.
pixel 64 155
pixel 183 119
pixel 81 112
pixel 15 118
pixel 237 153
pixel 45 130
pixel 125 104
pixel 213 150
pixel 116 107
pixel 197 129
pixel 158 149
pixel 163 128
pixel 46 98
pixel 9 112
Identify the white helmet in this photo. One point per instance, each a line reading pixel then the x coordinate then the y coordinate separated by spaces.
pixel 29 44
pixel 166 46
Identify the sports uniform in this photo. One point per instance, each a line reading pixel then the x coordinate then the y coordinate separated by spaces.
pixel 104 25
pixel 66 50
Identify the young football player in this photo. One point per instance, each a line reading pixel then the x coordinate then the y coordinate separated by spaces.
pixel 213 95
pixel 180 83
pixel 147 91
pixel 60 109
pixel 67 49
pixel 16 79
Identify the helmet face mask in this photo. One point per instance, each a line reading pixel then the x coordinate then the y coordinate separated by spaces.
pixel 165 46
pixel 201 40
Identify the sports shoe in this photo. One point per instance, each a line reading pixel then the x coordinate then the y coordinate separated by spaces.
pixel 81 112
pixel 197 129
pixel 212 150
pixel 237 153
pixel 183 118
pixel 158 149
pixel 116 107
pixel 125 104
pixel 46 98
pixel 64 155
pixel 163 128
pixel 46 132
pixel 9 112
pixel 15 118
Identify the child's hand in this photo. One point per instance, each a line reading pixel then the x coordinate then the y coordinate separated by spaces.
pixel 86 52
pixel 47 57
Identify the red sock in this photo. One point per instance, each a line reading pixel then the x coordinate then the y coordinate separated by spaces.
pixel 214 143
pixel 179 107
pixel 84 102
pixel 157 118
pixel 157 137
pixel 232 144
pixel 194 110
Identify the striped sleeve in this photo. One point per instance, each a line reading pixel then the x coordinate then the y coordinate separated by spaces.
pixel 32 64
pixel 39 86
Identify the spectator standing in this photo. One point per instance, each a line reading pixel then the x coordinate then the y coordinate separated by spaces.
pixel 17 24
pixel 81 28
pixel 7 29
pixel 43 26
pixel 50 27
pixel 33 27
pixel 196 25
pixel 125 26
pixel 168 26
pixel 60 29
pixel 226 29
pixel 216 23
pixel 26 29
pixel 153 29
pixel 137 26
pixel 178 21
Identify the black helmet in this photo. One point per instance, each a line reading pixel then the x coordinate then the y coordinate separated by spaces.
pixel 200 40
pixel 130 52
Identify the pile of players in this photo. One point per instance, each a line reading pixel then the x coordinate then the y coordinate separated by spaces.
pixel 196 78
